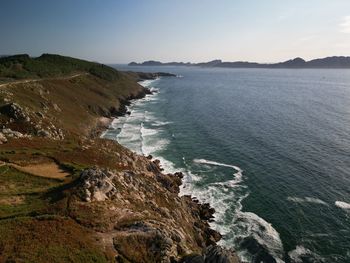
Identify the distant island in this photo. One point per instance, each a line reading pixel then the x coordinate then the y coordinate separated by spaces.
pixel 328 62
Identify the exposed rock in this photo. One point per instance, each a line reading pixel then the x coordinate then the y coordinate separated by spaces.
pixel 217 254
pixel 152 243
pixel 55 106
pixel 206 211
pixel 40 114
pixel 213 254
pixel 148 91
pixel 3 139
pixel 14 111
pixel 170 182
pixel 12 134
pixel 97 184
pixel 44 133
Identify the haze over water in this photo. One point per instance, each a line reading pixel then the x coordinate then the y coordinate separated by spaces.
pixel 269 149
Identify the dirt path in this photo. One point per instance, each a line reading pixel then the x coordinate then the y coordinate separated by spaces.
pixel 36 80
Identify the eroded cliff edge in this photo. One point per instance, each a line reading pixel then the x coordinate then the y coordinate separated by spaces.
pixel 68 195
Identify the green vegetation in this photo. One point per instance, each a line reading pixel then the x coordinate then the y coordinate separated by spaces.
pixel 22 193
pixel 47 65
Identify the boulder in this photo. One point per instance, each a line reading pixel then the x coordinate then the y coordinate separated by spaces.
pixel 97 185
pixel 14 111
pixel 212 254
pixel 217 254
pixel 44 133
pixel 12 134
pixel 3 138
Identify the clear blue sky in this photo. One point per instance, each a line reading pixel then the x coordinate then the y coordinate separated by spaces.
pixel 116 31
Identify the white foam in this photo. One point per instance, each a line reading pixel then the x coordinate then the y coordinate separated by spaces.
pixel 161 123
pixel 262 231
pixel 342 205
pixel 231 183
pixel 150 142
pixel 147 82
pixel 147 132
pixel 153 89
pixel 203 161
pixel 306 200
pixel 244 224
pixel 299 252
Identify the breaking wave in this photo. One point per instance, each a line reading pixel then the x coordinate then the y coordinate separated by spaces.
pixel 306 200
pixel 343 205
pixel 300 254
pixel 245 229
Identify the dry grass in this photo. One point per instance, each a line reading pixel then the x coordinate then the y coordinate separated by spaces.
pixel 49 170
pixel 48 239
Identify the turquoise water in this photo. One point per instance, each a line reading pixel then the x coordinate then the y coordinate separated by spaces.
pixel 269 149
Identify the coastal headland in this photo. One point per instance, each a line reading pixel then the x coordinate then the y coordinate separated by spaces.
pixel 68 195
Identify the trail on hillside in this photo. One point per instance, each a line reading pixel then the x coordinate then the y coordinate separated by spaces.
pixel 36 80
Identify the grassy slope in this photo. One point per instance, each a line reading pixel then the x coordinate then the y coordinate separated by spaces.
pixel 48 65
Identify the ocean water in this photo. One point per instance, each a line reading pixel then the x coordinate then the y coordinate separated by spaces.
pixel 268 148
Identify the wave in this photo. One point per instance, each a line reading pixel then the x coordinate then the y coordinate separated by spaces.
pixel 256 232
pixel 153 89
pixel 160 123
pixel 300 254
pixel 147 82
pixel 203 161
pixel 246 229
pixel 306 200
pixel 343 205
pixel 230 183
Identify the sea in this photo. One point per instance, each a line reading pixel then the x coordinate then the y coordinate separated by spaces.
pixel 269 149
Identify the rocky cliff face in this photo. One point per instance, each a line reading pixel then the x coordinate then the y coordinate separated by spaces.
pixel 142 218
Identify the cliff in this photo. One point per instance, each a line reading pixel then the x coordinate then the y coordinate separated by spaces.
pixel 68 195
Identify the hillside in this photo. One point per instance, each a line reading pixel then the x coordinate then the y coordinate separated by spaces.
pixel 68 195
pixel 48 65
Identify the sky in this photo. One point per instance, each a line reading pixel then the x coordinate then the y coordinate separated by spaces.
pixel 121 31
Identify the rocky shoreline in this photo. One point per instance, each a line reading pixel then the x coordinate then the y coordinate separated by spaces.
pixel 204 213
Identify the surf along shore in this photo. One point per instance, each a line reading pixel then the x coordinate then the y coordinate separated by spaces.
pixel 68 195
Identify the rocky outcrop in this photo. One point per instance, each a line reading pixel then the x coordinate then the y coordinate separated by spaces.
pixel 3 138
pixel 213 254
pixel 12 134
pixel 97 185
pixel 143 216
pixel 14 111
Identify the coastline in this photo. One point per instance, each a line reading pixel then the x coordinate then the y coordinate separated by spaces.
pixel 92 198
pixel 143 123
pixel 213 251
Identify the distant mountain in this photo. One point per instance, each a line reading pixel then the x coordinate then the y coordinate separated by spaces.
pixel 328 62
pixel 158 63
